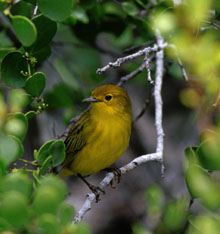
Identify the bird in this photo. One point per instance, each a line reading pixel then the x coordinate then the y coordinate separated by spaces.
pixel 100 135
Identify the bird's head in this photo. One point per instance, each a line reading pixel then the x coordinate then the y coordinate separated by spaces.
pixel 110 98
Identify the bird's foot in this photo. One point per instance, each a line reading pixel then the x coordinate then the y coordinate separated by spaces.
pixel 117 175
pixel 97 191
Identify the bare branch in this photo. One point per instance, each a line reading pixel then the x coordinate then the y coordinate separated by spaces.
pixel 35 11
pixel 124 79
pixel 158 98
pixel 119 61
pixel 147 64
pixel 110 176
pixel 179 62
pixel 146 103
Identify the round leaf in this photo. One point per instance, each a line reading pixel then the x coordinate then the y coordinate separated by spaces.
pixel 55 9
pixel 48 223
pixel 192 176
pixel 209 154
pixel 56 183
pixel 65 213
pixel 35 84
pixel 130 8
pixel 24 29
pixel 46 165
pixel 18 99
pixel 21 8
pixel 17 125
pixel 14 208
pixel 57 150
pixel 14 77
pixel 46 200
pixel 43 152
pixel 17 181
pixel 46 29
pixel 10 149
pixel 201 185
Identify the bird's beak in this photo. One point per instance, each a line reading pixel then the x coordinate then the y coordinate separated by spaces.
pixel 91 99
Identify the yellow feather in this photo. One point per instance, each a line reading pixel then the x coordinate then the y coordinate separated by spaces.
pixel 101 135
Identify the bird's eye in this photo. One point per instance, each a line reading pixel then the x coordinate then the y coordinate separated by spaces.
pixel 108 97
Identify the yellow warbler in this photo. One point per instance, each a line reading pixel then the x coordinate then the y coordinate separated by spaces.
pixel 100 135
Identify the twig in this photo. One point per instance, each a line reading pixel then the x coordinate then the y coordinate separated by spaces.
pixel 134 73
pixel 146 104
pixel 35 11
pixel 158 99
pixel 179 62
pixel 147 64
pixel 158 156
pixel 109 177
pixel 217 100
pixel 119 61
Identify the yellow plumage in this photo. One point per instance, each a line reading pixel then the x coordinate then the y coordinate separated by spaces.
pixel 101 134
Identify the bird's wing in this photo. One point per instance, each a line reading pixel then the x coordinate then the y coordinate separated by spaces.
pixel 76 138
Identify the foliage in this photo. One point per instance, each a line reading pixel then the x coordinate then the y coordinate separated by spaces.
pixel 33 201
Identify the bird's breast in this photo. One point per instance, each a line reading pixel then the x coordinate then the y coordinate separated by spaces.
pixel 107 141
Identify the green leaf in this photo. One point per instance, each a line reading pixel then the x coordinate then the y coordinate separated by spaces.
pixel 190 153
pixel 25 30
pixel 130 8
pixel 18 100
pixel 203 224
pixel 201 185
pixel 2 168
pixel 192 175
pixel 35 84
pixel 49 195
pixel 46 200
pixel 43 152
pixel 80 15
pixel 48 224
pixel 14 77
pixel 14 208
pixel 46 29
pixel 209 153
pixel 55 9
pixel 17 125
pixel 30 114
pixel 80 228
pixel 4 225
pixel 10 149
pixel 56 183
pixel 154 198
pixel 21 8
pixel 46 165
pixel 175 210
pixel 65 213
pixel 4 52
pixel 41 54
pixel 17 181
pixel 57 150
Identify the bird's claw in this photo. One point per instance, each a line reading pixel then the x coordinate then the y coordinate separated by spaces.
pixel 117 176
pixel 96 190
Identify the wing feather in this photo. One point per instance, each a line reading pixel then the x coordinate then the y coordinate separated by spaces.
pixel 76 138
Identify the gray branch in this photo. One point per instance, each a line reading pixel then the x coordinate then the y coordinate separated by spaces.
pixel 119 61
pixel 158 98
pixel 109 177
